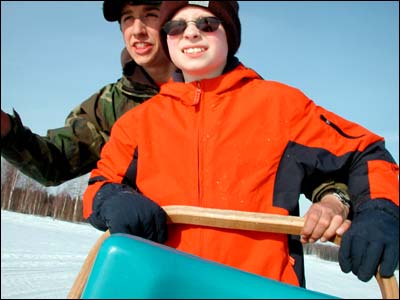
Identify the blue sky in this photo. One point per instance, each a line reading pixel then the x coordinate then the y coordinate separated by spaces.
pixel 344 55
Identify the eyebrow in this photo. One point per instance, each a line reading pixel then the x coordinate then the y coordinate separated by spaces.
pixel 147 8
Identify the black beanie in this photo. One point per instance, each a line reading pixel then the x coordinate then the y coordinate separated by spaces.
pixel 226 11
pixel 112 8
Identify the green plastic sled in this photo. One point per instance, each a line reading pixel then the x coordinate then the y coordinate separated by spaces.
pixel 130 267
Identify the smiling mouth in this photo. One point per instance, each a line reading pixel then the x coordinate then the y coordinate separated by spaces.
pixel 193 50
pixel 141 45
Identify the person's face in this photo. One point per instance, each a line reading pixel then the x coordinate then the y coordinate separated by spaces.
pixel 197 53
pixel 140 28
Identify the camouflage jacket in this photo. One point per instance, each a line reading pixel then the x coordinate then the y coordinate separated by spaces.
pixel 73 150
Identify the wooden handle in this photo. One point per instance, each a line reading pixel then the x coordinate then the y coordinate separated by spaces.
pixel 231 219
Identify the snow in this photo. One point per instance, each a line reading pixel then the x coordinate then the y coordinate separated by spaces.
pixel 41 257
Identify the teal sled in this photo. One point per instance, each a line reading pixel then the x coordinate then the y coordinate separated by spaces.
pixel 130 267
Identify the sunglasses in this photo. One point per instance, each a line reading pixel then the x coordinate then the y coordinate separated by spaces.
pixel 205 24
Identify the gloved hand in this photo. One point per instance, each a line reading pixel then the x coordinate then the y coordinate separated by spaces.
pixel 123 210
pixel 372 240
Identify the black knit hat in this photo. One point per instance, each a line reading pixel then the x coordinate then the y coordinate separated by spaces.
pixel 112 8
pixel 226 11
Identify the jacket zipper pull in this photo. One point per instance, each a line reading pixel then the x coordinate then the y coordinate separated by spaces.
pixel 197 94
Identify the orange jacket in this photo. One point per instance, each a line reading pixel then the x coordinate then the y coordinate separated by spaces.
pixel 243 143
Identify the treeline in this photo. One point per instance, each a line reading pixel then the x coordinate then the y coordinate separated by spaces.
pixel 23 195
pixel 324 251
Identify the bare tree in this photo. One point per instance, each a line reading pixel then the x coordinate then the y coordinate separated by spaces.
pixel 9 180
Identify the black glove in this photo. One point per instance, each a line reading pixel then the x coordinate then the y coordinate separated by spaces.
pixel 123 210
pixel 372 240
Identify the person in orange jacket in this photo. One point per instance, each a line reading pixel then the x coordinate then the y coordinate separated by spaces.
pixel 220 136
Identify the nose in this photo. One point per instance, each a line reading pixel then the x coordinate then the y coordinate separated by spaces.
pixel 191 31
pixel 139 28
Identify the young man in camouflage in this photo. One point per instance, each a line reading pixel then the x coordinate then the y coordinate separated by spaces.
pixel 73 150
pixel 68 152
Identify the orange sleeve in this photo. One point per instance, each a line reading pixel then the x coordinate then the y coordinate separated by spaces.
pixel 383 179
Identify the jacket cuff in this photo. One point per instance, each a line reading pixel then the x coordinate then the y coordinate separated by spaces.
pixel 379 204
pixel 330 186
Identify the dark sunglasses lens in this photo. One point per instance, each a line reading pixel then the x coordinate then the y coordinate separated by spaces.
pixel 175 27
pixel 208 24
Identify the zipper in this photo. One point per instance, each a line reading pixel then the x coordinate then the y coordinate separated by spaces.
pixel 196 102
pixel 197 94
pixel 338 129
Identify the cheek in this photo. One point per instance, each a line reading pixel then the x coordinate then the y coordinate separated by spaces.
pixel 221 53
pixel 172 48
pixel 154 35
pixel 221 44
pixel 126 34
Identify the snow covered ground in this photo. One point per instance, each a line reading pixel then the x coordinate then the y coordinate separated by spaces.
pixel 41 257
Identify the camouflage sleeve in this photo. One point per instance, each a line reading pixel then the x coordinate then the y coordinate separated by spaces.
pixel 71 151
pixel 329 186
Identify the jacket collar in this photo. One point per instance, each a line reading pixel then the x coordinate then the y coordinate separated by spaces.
pixel 234 76
pixel 231 64
pixel 136 80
